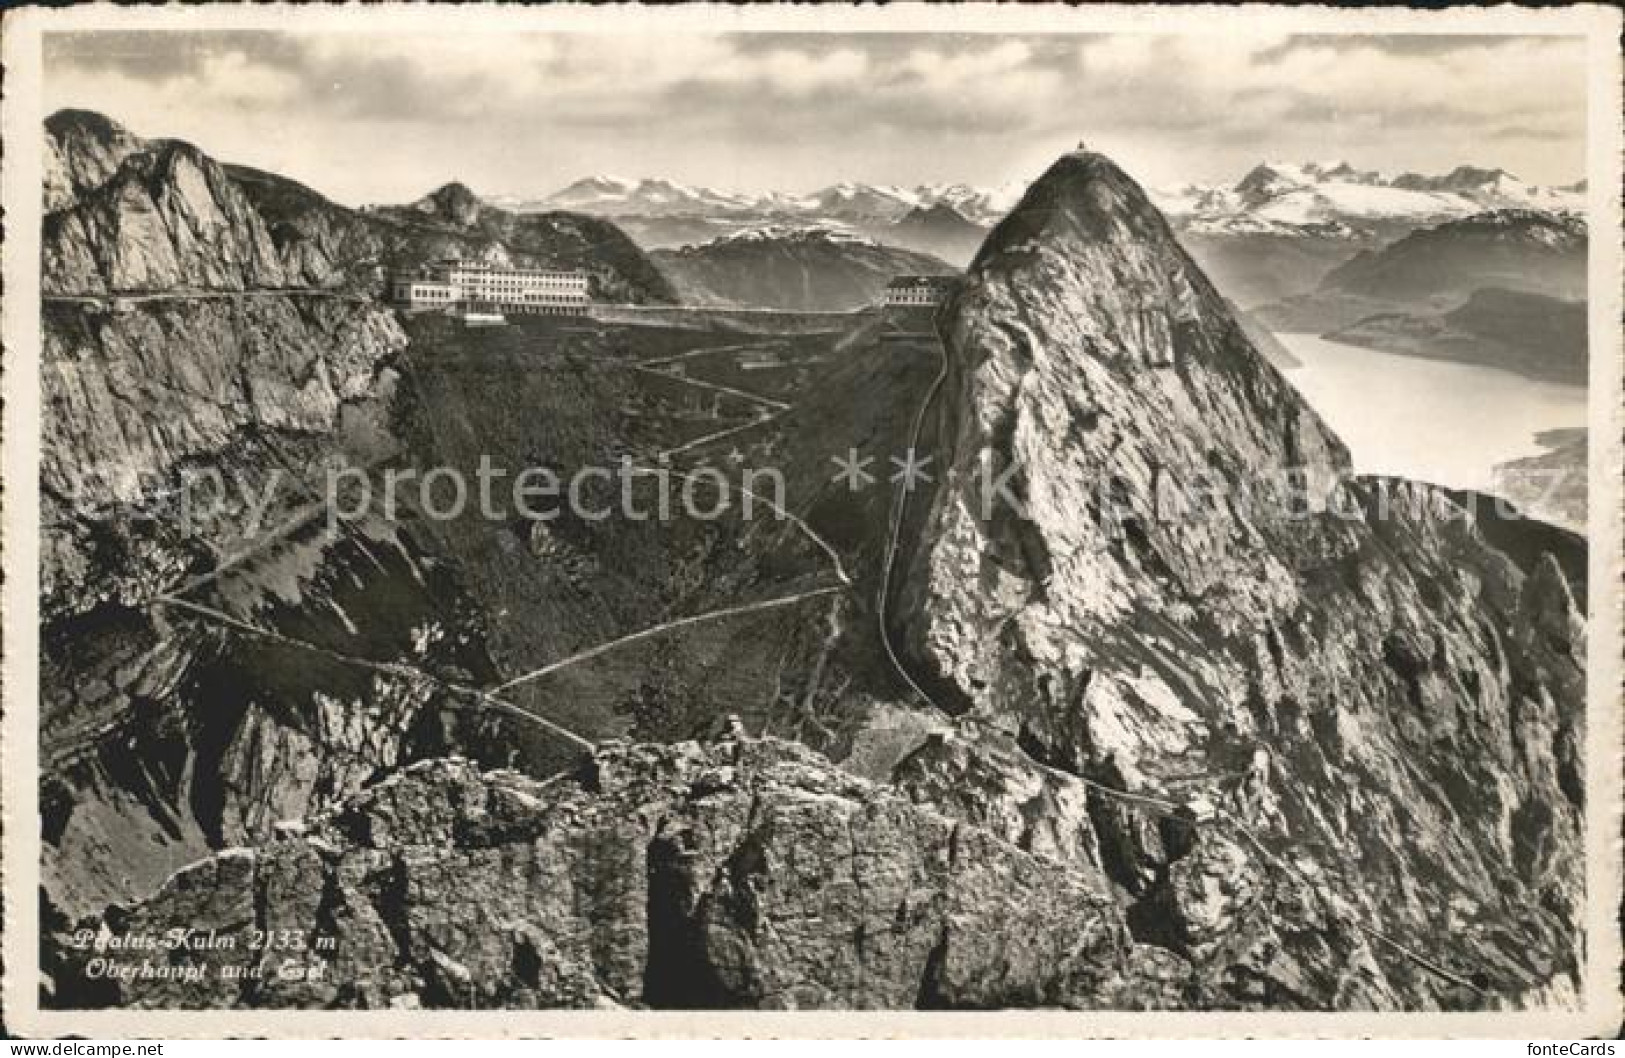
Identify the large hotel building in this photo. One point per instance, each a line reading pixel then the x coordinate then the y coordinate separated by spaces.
pixel 475 286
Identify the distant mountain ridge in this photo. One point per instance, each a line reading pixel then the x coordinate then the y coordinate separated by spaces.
pixel 1272 233
pixel 849 200
pixel 1505 288
pixel 940 230
pixel 1337 198
pixel 796 269
pixel 1282 228
pixel 1271 196
pixel 1521 249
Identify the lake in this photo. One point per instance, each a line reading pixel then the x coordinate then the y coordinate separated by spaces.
pixel 1432 420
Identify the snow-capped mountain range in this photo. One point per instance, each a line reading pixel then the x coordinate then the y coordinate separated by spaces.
pixel 613 196
pixel 1330 198
pixel 1321 200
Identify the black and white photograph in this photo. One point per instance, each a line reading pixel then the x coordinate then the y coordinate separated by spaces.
pixel 900 509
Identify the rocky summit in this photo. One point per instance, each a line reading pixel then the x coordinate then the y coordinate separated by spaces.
pixel 1362 681
pixel 1144 702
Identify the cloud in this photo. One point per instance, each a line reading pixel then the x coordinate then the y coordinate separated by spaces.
pixel 1249 83
pixel 794 109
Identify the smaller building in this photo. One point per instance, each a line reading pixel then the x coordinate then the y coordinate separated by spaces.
pixel 918 291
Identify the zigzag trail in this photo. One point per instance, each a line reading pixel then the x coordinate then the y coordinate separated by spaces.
pixel 387 668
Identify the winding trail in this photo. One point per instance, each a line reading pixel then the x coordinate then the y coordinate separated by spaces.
pixel 776 405
pixel 386 668
pixel 720 434
pixel 708 350
pixel 661 629
pixel 784 513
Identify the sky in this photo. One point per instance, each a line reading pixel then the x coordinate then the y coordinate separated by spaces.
pixel 386 117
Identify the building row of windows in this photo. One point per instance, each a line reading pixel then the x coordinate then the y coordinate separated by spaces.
pixel 482 268
pixel 526 281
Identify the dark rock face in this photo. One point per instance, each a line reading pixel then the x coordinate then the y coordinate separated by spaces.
pixel 324 244
pixel 743 873
pixel 939 230
pixel 83 150
pixel 1367 686
pixel 452 204
pixel 1516 249
pixel 1533 335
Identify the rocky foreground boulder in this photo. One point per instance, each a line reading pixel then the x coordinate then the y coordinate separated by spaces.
pixel 738 873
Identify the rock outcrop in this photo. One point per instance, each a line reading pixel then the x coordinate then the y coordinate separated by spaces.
pixel 1146 603
pixel 168 218
pixel 741 873
pixel 83 150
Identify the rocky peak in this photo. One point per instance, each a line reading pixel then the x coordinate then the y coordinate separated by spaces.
pixel 454 203
pixel 1467 177
pixel 83 149
pixel 938 212
pixel 1263 182
pixel 168 217
pixel 1089 351
pixel 1115 575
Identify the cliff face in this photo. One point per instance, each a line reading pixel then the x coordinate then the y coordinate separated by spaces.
pixel 1365 689
pixel 167 218
pixel 320 242
pixel 188 424
pixel 160 736
pixel 83 150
